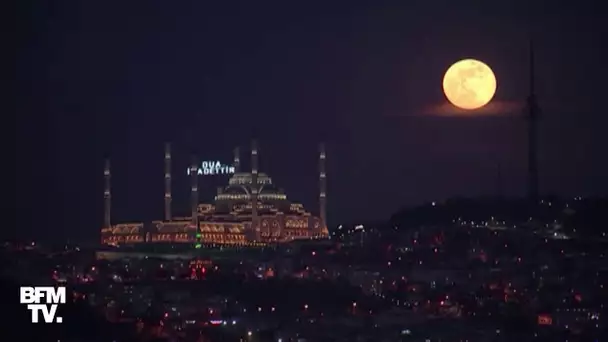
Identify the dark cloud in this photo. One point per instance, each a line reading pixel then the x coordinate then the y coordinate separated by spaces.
pixel 494 108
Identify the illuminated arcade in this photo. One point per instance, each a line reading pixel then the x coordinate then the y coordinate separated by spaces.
pixel 249 211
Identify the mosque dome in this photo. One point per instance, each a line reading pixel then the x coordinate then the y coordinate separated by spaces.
pixel 235 190
pixel 239 189
pixel 269 189
pixel 245 178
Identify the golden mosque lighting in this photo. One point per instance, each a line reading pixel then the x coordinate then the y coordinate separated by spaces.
pixel 469 84
pixel 249 211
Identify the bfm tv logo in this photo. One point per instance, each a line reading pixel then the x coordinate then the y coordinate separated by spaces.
pixel 52 296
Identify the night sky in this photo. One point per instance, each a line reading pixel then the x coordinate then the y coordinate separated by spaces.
pixel 119 78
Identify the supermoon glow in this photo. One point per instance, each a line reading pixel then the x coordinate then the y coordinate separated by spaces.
pixel 469 84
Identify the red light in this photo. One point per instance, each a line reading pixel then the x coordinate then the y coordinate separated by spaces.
pixel 314 253
pixel 545 320
pixel 203 270
pixel 166 314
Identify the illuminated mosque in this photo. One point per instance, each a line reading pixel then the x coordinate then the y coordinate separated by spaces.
pixel 249 211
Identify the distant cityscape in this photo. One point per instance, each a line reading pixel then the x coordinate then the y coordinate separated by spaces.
pixel 464 269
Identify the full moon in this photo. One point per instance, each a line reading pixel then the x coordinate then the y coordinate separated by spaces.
pixel 469 84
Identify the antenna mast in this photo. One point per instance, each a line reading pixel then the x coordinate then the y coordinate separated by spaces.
pixel 532 118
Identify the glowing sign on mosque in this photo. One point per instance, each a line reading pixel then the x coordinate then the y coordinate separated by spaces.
pixel 209 168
